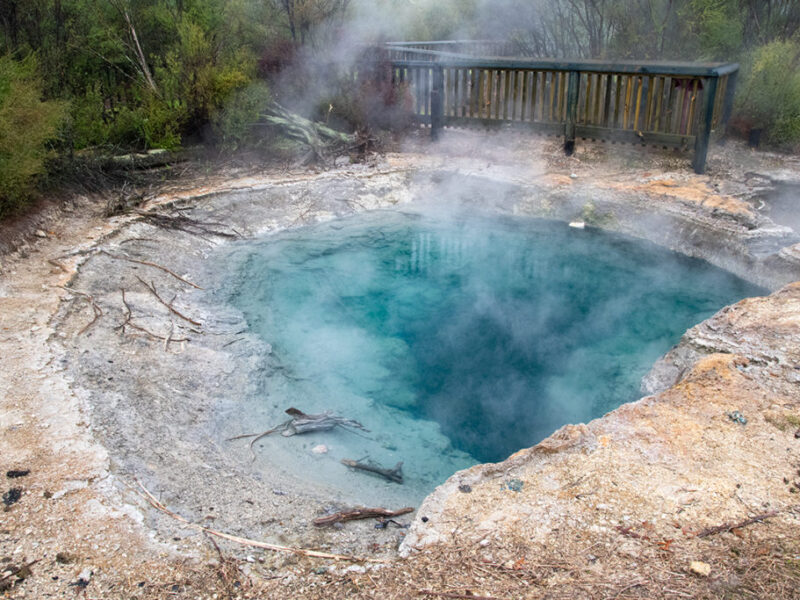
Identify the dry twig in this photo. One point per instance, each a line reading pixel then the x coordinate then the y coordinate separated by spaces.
pixel 17 570
pixel 729 527
pixel 151 264
pixel 128 322
pixel 152 289
pixel 247 542
pixel 98 312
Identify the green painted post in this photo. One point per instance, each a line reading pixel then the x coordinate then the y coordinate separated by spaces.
pixel 437 102
pixel 704 129
pixel 573 82
pixel 728 106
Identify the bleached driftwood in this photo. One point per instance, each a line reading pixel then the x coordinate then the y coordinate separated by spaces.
pixel 303 423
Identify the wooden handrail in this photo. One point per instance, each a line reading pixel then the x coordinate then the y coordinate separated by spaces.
pixel 663 103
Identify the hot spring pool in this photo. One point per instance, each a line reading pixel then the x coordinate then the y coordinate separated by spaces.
pixel 454 340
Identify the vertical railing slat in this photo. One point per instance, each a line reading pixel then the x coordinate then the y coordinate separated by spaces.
pixel 704 129
pixel 524 100
pixel 572 112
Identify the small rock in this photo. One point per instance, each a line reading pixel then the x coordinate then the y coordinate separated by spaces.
pixel 84 577
pixel 464 488
pixel 320 570
pixel 12 496
pixel 65 558
pixel 356 569
pixel 797 434
pixel 321 449
pixel 700 568
pixel 17 474
pixel 39 233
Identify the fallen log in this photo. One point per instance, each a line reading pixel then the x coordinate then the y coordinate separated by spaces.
pixel 360 513
pixel 395 474
pixel 318 138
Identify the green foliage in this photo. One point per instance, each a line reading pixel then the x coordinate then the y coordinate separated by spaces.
pixel 26 125
pixel 770 91
pixel 718 25
pixel 195 79
pixel 234 124
pixel 141 74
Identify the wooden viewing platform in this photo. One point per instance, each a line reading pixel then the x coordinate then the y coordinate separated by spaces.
pixel 668 104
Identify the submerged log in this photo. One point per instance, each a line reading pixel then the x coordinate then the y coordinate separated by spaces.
pixel 360 513
pixel 395 474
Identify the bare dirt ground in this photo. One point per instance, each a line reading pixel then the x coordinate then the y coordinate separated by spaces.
pixel 70 528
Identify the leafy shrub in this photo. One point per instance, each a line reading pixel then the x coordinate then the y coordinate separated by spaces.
pixel 770 92
pixel 234 125
pixel 196 80
pixel 88 125
pixel 26 125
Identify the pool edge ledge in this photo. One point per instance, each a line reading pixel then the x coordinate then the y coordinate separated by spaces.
pixel 720 439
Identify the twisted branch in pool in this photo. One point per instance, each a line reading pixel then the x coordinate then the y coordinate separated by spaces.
pixel 303 423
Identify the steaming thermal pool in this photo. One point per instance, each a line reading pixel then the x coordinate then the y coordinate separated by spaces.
pixel 454 340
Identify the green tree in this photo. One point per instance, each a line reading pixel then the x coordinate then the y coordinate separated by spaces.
pixel 26 125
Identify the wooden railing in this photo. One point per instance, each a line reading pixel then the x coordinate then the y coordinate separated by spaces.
pixel 675 105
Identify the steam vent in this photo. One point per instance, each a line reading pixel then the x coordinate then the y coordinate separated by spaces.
pixel 320 318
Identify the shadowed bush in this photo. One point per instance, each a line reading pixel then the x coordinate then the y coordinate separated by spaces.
pixel 770 94
pixel 26 125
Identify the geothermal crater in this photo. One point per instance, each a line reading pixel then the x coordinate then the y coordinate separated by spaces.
pixel 453 337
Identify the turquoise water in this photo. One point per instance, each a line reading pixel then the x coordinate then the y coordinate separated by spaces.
pixel 485 333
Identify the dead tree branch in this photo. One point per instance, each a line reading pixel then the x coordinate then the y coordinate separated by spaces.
pixel 152 289
pixel 186 224
pixel 319 139
pixel 360 513
pixel 128 322
pixel 151 264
